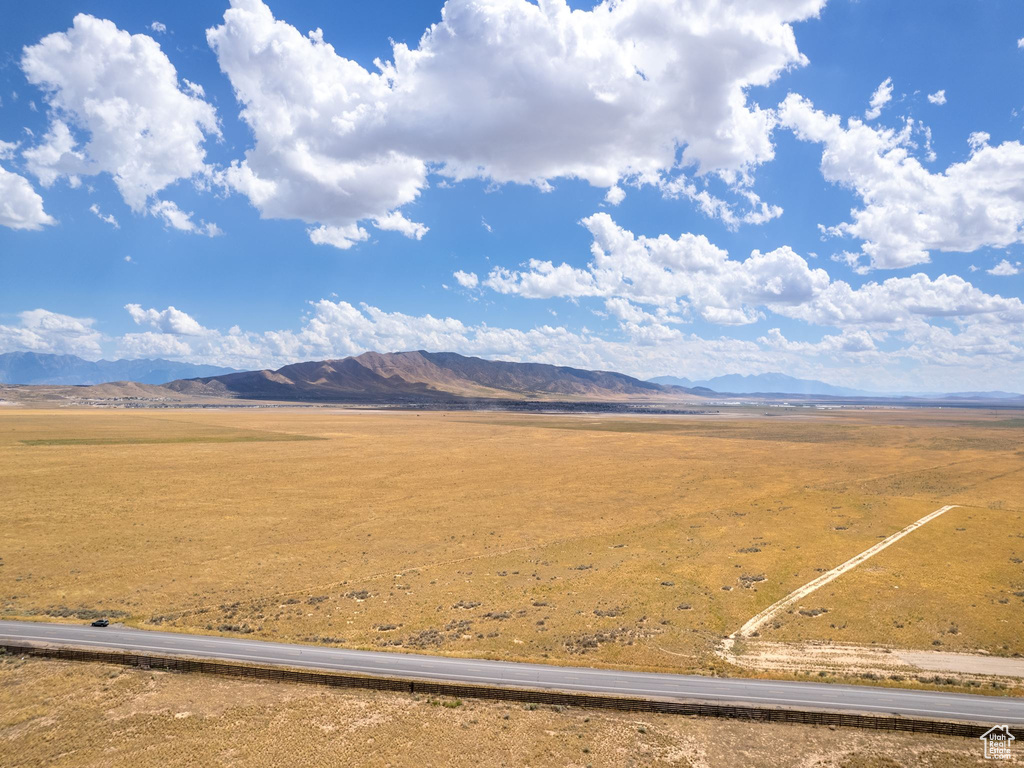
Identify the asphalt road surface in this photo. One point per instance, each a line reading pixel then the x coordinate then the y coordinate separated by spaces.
pixel 794 695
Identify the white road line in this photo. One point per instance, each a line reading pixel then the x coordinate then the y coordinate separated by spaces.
pixel 775 608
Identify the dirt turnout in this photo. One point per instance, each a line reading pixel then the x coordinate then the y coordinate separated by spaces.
pixel 973 672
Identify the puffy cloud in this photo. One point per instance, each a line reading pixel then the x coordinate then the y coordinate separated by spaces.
pixel 108 218
pixel 938 98
pixel 1005 269
pixel 178 219
pixel 688 274
pixel 881 97
pixel 169 321
pixel 989 347
pixel 396 222
pixel 158 27
pixel 759 211
pixel 978 140
pixel 149 345
pixel 856 342
pixel 634 89
pixel 908 210
pixel 899 301
pixel 317 123
pixel 852 260
pixel 57 150
pixel 340 237
pixel 662 271
pixel 643 327
pixel 615 195
pixel 544 280
pixel 49 332
pixel 122 92
pixel 21 207
pixel 466 279
pixel 194 88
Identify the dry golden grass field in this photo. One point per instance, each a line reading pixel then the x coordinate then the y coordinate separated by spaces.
pixel 630 541
pixel 94 715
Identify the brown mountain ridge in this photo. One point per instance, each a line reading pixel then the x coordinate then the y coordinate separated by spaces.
pixel 426 377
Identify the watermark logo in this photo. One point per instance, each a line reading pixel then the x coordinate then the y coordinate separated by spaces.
pixel 997 742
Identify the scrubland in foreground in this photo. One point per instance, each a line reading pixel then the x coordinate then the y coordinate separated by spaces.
pixel 66 714
pixel 628 541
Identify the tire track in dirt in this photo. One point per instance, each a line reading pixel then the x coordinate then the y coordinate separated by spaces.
pixel 775 608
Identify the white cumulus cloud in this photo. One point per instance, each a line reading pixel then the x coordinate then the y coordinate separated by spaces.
pixel 615 195
pixel 172 321
pixel 939 97
pixel 396 222
pixel 689 275
pixel 908 210
pixel 340 237
pixel 881 97
pixel 1004 269
pixel 505 90
pixel 121 93
pixel 21 207
pixel 180 220
pixel 48 332
pixel 664 271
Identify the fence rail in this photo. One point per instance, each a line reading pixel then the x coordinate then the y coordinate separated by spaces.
pixel 524 695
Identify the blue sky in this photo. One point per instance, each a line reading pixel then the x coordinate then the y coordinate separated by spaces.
pixel 462 201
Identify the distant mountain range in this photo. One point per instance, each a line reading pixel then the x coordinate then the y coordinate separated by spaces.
pixel 425 376
pixel 781 384
pixel 38 368
pixel 989 395
pixel 411 377
pixel 763 383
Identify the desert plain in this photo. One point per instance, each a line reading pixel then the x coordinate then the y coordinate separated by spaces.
pixel 628 541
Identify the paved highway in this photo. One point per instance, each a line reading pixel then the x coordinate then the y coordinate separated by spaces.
pixel 918 704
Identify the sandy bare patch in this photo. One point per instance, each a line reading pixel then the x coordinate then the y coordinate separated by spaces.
pixel 966 663
pixel 858 660
pixel 839 659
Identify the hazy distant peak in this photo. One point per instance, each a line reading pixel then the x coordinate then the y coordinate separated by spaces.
pixel 41 368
